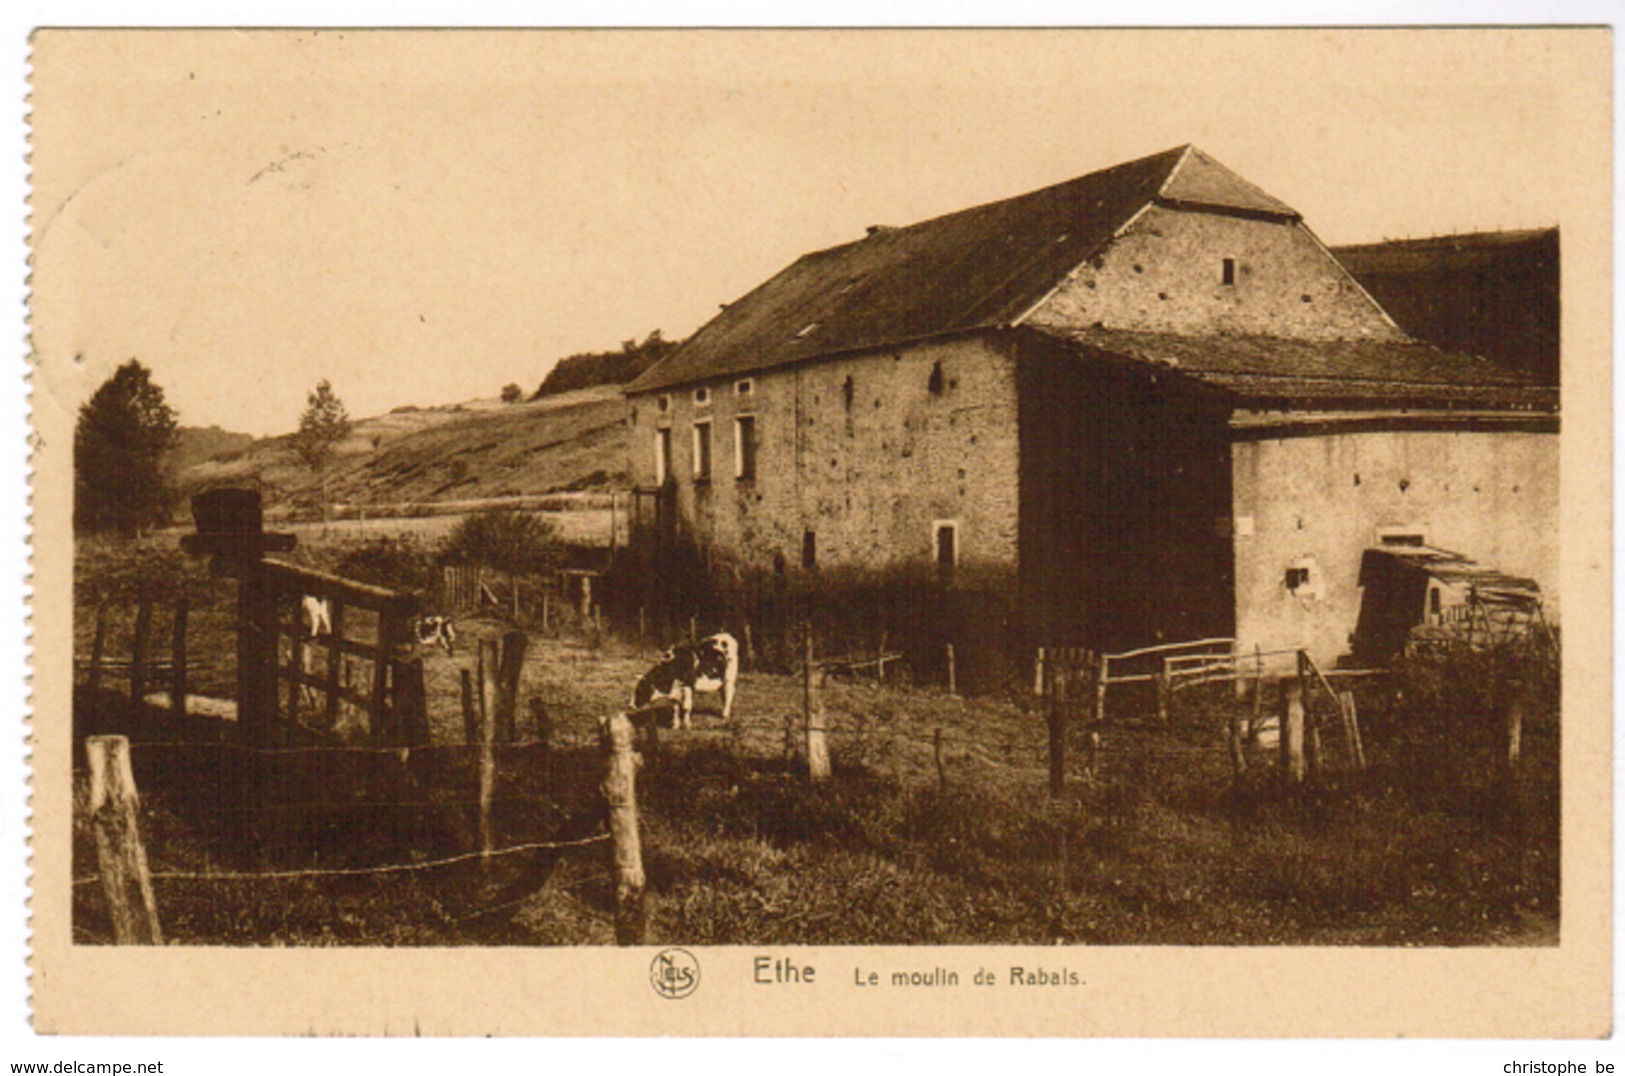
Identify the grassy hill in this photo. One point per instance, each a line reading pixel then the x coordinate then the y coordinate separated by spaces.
pixel 484 448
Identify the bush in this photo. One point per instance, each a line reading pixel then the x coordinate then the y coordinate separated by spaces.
pixel 508 541
pixel 401 563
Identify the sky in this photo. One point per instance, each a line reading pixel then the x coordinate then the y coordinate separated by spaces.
pixel 423 217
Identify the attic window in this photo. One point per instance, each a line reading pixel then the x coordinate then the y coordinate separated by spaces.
pixel 933 385
pixel 663 404
pixel 745 387
pixel 702 395
pixel 847 390
pixel 1228 273
pixel 1403 535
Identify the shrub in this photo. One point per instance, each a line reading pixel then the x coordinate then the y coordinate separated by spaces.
pixel 508 541
pixel 398 562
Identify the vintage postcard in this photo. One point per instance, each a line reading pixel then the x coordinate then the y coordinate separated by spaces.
pixel 1030 532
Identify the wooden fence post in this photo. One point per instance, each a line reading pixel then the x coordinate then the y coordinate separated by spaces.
pixel 411 703
pixel 98 646
pixel 487 742
pixel 936 746
pixel 1351 728
pixel 138 652
pixel 1057 738
pixel 510 665
pixel 120 857
pixel 1102 678
pixel 335 660
pixel 1164 692
pixel 813 714
pixel 1038 674
pixel 177 658
pixel 471 720
pixel 1292 764
pixel 1258 693
pixel 1238 757
pixel 546 603
pixel 748 658
pixel 953 678
pixel 620 794
pixel 1514 732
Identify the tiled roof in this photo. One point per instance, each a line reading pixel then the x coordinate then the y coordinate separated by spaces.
pixel 1274 370
pixel 977 268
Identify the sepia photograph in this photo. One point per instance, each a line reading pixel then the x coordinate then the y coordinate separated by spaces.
pixel 841 514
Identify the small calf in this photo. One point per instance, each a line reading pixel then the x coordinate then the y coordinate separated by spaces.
pixel 318 614
pixel 435 629
pixel 712 664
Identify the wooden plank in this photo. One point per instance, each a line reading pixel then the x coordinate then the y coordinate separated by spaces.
pixel 1167 647
pixel 121 859
pixel 292 578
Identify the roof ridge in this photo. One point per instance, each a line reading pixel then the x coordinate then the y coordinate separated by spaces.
pixel 1187 149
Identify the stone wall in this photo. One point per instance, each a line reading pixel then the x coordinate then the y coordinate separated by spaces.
pixel 867 452
pixel 1165 273
pixel 1317 502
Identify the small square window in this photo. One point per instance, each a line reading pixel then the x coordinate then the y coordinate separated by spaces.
pixel 1297 578
pixel 702 395
pixel 745 387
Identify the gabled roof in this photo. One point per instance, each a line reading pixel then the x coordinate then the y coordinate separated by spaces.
pixel 1273 371
pixel 977 268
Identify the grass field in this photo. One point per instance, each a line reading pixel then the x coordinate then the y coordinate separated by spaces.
pixel 1151 842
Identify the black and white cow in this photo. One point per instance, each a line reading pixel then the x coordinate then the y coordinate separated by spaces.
pixel 431 630
pixel 712 664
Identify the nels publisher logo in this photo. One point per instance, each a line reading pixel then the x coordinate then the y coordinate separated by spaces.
pixel 675 973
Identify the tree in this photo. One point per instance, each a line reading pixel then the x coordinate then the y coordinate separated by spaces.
pixel 123 431
pixel 323 425
pixel 508 541
pixel 511 393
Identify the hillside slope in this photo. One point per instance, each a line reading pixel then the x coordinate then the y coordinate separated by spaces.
pixel 572 441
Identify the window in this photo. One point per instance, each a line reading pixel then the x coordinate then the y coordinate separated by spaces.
pixel 663 404
pixel 809 550
pixel 745 448
pixel 1228 273
pixel 848 390
pixel 745 387
pixel 1408 534
pixel 702 451
pixel 933 384
pixel 662 456
pixel 945 539
pixel 702 396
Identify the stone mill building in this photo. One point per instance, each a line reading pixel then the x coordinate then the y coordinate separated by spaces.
pixel 1146 405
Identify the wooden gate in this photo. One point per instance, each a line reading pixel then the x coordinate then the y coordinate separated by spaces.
pixel 326 678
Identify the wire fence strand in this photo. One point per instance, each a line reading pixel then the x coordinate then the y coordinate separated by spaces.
pixel 349 872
